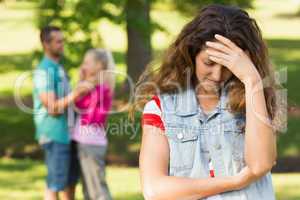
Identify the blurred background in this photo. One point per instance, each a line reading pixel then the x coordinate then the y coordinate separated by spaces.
pixel 137 32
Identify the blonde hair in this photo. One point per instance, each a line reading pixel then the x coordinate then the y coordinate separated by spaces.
pixel 105 57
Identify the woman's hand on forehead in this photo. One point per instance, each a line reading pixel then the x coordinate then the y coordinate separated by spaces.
pixel 228 54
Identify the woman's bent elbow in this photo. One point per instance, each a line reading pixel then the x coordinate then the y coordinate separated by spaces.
pixel 262 170
pixel 150 195
pixel 150 191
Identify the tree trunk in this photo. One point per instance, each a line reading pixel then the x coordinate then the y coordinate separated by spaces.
pixel 138 36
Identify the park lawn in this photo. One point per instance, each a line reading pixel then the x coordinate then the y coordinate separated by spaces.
pixel 24 179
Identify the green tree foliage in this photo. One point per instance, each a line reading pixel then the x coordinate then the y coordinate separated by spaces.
pixel 80 18
pixel 79 21
pixel 190 7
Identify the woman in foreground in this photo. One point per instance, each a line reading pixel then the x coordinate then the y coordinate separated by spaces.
pixel 207 130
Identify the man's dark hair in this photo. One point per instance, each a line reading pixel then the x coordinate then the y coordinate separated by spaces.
pixel 45 35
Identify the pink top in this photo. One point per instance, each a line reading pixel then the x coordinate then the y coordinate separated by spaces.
pixel 93 109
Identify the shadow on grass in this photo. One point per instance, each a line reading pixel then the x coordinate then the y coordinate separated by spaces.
pixel 286 54
pixel 135 196
pixel 17 137
pixel 20 184
pixel 12 62
pixel 22 169
pixel 289 15
pixel 12 167
pixel 17 133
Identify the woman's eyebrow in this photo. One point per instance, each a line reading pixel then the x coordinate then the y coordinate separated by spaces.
pixel 207 60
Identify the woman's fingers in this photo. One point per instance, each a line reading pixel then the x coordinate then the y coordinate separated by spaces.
pixel 221 61
pixel 227 42
pixel 219 46
pixel 218 54
pixel 219 57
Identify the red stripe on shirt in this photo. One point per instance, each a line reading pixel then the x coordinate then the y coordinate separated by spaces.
pixel 153 120
pixel 157 101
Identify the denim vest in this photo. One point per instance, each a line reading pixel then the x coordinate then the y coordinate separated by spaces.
pixel 195 139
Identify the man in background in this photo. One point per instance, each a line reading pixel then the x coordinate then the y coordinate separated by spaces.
pixel 52 97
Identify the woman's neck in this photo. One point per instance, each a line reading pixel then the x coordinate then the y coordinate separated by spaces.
pixel 207 100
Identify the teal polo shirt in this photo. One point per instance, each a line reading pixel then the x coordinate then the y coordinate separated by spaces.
pixel 49 76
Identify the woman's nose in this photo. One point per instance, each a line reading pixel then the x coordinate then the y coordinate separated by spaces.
pixel 216 72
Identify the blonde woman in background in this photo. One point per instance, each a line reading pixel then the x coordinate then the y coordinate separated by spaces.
pixel 89 135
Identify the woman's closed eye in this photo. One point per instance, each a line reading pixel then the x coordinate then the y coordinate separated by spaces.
pixel 209 63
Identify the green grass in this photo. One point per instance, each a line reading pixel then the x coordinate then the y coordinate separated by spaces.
pixel 17 136
pixel 30 182
pixel 277 19
pixel 17 30
pixel 123 182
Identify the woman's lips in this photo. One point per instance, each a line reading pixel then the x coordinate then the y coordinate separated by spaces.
pixel 214 82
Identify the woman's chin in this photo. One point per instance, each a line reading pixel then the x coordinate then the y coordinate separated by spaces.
pixel 210 87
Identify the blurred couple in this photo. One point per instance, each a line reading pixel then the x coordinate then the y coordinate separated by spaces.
pixel 74 143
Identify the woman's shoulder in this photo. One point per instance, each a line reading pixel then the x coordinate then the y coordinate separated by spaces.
pixel 152 113
pixel 153 105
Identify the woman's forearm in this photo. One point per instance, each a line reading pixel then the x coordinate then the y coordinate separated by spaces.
pixel 61 104
pixel 260 140
pixel 181 188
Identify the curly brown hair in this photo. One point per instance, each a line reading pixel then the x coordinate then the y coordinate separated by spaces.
pixel 231 22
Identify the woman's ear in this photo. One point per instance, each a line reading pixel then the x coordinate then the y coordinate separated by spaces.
pixel 247 52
